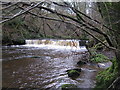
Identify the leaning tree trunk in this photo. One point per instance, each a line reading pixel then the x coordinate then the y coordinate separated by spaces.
pixel 118 60
pixel 117 53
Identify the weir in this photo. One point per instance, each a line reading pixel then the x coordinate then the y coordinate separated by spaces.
pixel 77 45
pixel 71 43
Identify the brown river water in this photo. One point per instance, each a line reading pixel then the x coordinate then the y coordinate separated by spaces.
pixel 34 67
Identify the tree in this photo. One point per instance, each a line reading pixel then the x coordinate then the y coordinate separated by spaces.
pixel 111 16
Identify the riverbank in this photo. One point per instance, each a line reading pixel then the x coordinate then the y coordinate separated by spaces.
pixel 105 78
pixel 101 67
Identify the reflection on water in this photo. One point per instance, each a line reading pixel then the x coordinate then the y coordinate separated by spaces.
pixel 48 71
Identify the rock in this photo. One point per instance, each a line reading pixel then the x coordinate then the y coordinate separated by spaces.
pixel 104 65
pixel 82 42
pixel 18 42
pixel 81 62
pixel 68 86
pixel 73 73
pixel 77 69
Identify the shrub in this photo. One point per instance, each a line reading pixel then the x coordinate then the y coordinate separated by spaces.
pixel 106 77
pixel 99 58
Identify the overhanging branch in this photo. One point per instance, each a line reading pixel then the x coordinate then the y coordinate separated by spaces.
pixel 74 9
pixel 68 22
pixel 20 13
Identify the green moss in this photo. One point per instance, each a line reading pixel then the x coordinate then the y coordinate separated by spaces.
pixel 99 46
pixel 15 23
pixel 99 58
pixel 68 86
pixel 72 71
pixel 106 77
pixel 73 74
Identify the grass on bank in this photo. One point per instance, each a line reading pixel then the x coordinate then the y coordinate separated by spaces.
pixel 99 58
pixel 105 78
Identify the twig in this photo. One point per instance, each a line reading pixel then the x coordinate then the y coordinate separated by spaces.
pixel 112 85
pixel 9 6
pixel 74 9
pixel 20 13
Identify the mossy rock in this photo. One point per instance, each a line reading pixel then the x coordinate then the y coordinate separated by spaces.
pixel 68 86
pixel 81 63
pixel 76 69
pixel 74 73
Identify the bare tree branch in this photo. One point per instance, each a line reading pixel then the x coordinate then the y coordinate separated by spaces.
pixel 20 13
pixel 59 14
pixel 9 6
pixel 71 18
pixel 93 29
pixel 112 86
pixel 68 22
pixel 117 22
pixel 74 9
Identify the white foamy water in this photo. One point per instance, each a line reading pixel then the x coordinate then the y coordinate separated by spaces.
pixel 72 45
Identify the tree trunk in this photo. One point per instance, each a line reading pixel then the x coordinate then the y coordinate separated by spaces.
pixel 117 53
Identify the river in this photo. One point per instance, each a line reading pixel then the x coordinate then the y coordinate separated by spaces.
pixel 25 66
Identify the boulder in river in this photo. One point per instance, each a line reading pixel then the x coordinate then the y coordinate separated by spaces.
pixel 68 86
pixel 74 73
pixel 81 63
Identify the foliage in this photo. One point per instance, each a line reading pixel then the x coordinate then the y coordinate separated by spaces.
pixel 99 58
pixel 110 13
pixel 18 42
pixel 111 16
pixel 17 30
pixel 15 23
pixel 99 46
pixel 6 40
pixel 106 77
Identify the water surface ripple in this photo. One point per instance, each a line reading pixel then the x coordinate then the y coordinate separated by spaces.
pixel 48 70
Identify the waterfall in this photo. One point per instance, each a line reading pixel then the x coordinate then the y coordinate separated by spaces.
pixel 57 44
pixel 71 43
